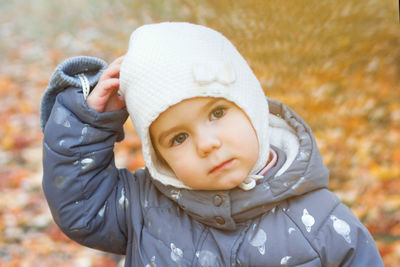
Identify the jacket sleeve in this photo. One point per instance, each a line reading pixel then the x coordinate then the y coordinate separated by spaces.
pixel 344 241
pixel 82 186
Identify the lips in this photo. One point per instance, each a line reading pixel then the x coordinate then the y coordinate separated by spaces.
pixel 222 166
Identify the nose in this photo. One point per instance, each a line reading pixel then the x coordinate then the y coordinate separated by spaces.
pixel 206 142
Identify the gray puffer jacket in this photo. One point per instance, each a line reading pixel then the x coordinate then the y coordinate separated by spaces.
pixel 289 219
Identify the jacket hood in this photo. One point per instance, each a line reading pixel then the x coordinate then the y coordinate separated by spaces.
pixel 295 174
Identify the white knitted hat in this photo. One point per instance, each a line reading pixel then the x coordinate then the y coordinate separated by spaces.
pixel 172 61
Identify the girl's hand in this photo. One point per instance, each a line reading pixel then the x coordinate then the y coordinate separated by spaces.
pixel 104 96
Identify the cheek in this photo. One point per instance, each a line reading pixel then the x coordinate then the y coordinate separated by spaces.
pixel 248 141
pixel 185 169
pixel 252 146
pixel 246 133
pixel 179 163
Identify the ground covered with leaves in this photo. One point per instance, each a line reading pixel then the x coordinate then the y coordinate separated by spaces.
pixel 336 63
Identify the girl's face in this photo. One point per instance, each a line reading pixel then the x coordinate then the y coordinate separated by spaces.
pixel 209 143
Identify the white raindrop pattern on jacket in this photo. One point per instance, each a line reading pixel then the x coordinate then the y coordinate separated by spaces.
pixel 60 117
pixel 86 163
pixel 123 201
pixel 307 220
pixel 266 186
pixel 291 230
pixel 341 227
pixel 299 182
pixel 285 260
pixel 303 156
pixel 175 194
pixel 176 254
pixel 83 134
pixel 152 262
pixel 61 143
pixel 102 210
pixel 258 240
pixel 207 258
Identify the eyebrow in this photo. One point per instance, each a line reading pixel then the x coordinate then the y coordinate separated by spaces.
pixel 207 106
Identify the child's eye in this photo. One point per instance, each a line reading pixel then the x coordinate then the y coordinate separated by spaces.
pixel 217 113
pixel 179 139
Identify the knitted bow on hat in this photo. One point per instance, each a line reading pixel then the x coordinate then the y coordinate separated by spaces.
pixel 214 71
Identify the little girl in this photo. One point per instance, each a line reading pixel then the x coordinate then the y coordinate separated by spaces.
pixel 231 178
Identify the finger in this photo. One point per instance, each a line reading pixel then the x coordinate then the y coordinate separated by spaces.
pixel 122 99
pixel 110 72
pixel 116 102
pixel 105 96
pixel 108 86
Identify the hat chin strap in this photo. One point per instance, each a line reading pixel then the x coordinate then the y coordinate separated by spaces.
pixel 250 182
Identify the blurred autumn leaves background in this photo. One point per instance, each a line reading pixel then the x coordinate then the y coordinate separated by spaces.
pixel 336 63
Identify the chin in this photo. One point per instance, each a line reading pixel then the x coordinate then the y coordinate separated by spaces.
pixel 232 183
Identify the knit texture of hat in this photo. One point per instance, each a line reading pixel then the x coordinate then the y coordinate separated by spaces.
pixel 172 61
